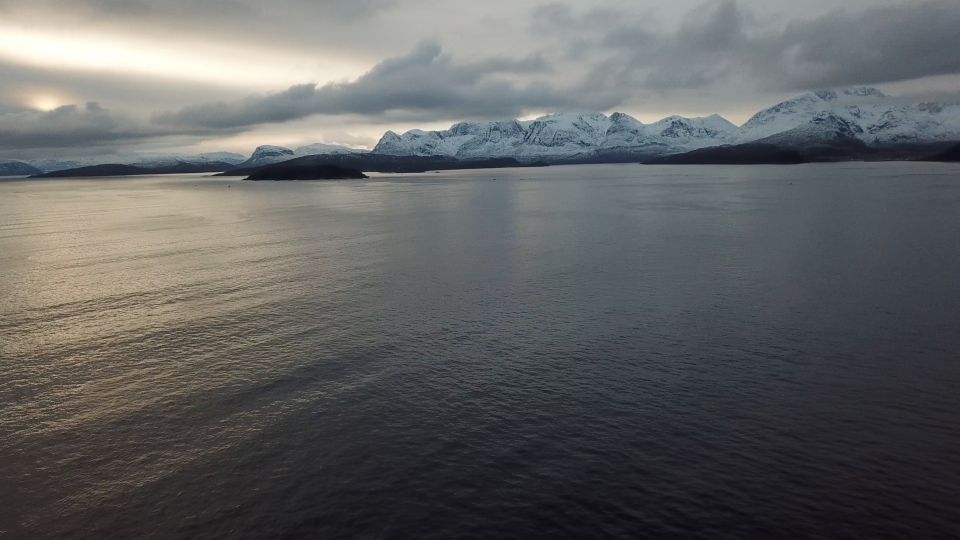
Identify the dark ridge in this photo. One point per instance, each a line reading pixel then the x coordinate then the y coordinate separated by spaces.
pixel 771 151
pixel 292 170
pixel 390 164
pixel 741 154
pixel 116 169
pixel 109 169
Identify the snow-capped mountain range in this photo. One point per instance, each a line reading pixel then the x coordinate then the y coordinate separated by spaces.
pixel 560 136
pixel 859 114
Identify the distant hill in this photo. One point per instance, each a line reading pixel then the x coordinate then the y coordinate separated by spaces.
pixel 149 161
pixel 110 169
pixel 17 168
pixel 117 169
pixel 305 170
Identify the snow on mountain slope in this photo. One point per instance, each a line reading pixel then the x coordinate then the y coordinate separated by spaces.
pixel 870 116
pixel 563 136
pixel 269 154
pixel 691 133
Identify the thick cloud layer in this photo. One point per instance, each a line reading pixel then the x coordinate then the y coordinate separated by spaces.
pixel 879 45
pixel 726 41
pixel 422 84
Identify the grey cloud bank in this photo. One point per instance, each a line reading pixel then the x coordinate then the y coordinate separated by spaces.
pixel 67 125
pixel 725 41
pixel 423 84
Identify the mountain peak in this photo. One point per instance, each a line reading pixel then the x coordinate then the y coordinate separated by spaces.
pixel 619 117
pixel 269 149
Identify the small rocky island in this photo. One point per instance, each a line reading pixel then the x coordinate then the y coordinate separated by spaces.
pixel 305 170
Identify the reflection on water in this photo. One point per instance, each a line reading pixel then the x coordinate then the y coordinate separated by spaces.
pixel 570 351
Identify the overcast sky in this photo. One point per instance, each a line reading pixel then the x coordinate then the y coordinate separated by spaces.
pixel 81 76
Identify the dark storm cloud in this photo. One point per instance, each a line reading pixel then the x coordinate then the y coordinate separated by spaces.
pixel 881 44
pixel 723 41
pixel 424 83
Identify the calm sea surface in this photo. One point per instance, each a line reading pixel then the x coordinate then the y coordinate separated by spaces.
pixel 569 352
